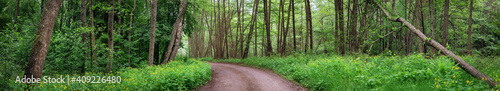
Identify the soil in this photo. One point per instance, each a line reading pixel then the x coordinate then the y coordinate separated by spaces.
pixel 233 77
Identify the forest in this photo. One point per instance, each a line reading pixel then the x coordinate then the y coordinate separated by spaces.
pixel 201 44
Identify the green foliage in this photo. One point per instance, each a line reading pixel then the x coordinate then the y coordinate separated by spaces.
pixel 176 75
pixel 415 72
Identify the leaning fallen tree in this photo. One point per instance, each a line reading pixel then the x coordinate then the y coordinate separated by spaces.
pixel 464 65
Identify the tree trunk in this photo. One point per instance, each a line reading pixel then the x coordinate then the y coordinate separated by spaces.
pixel 293 20
pixel 470 28
pixel 130 33
pixel 92 36
pixel 176 35
pixel 83 17
pixel 41 42
pixel 152 32
pixel 464 65
pixel 308 18
pixel 252 22
pixel 286 29
pixel 15 15
pixel 445 23
pixel 340 13
pixel 353 25
pixel 110 36
pixel 267 14
pixel 419 25
pixel 433 22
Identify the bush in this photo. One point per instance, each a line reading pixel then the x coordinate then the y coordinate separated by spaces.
pixel 415 72
pixel 176 75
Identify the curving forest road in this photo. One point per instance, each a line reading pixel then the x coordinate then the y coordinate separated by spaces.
pixel 232 77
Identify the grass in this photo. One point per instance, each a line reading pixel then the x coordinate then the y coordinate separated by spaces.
pixel 176 75
pixel 415 72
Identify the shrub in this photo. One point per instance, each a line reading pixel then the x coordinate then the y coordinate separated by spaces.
pixel 176 75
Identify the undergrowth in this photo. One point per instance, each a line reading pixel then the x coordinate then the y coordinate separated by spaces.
pixel 176 75
pixel 393 73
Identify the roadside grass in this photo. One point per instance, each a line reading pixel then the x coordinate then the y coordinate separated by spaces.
pixel 416 72
pixel 176 75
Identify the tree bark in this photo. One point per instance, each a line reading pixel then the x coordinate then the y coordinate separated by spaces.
pixel 470 28
pixel 353 25
pixel 176 35
pixel 252 22
pixel 152 32
pixel 293 20
pixel 110 36
pixel 340 13
pixel 15 15
pixel 308 18
pixel 433 22
pixel 92 36
pixel 83 18
pixel 445 23
pixel 267 10
pixel 42 39
pixel 285 35
pixel 130 33
pixel 464 65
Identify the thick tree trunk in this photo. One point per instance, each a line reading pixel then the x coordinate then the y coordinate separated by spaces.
pixel 464 65
pixel 152 32
pixel 176 35
pixel 111 17
pixel 42 39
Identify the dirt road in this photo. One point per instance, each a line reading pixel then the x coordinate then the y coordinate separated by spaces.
pixel 232 77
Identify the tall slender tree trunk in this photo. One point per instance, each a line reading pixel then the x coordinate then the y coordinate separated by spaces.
pixel 92 36
pixel 255 40
pixel 152 32
pixel 308 18
pixel 15 15
pixel 238 34
pixel 470 28
pixel 433 22
pixel 111 17
pixel 177 34
pixel 267 14
pixel 353 25
pixel 41 42
pixel 118 16
pixel 417 13
pixel 422 24
pixel 252 22
pixel 445 23
pixel 292 2
pixel 130 33
pixel 340 13
pixel 83 17
pixel 286 29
